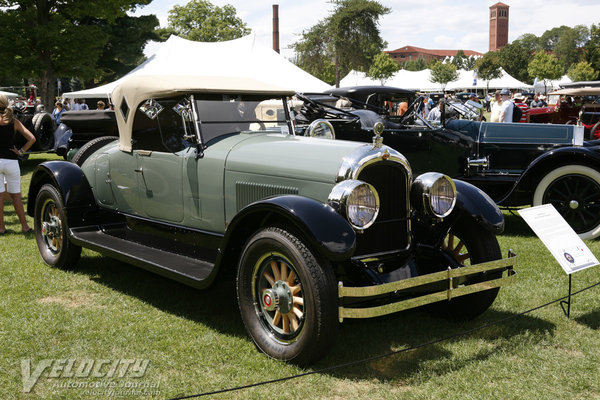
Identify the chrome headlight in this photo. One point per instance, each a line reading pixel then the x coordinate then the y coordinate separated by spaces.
pixel 357 201
pixel 434 194
pixel 321 128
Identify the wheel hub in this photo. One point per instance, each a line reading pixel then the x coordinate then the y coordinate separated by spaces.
pixel 51 229
pixel 574 204
pixel 278 298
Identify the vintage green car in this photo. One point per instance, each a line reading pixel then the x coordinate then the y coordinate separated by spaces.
pixel 207 180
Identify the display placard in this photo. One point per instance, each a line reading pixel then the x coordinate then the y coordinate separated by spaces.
pixel 558 236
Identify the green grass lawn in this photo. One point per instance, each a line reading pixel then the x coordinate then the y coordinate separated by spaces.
pixel 194 341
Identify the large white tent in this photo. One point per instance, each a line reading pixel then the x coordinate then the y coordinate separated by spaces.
pixel 10 95
pixel 242 57
pixel 419 80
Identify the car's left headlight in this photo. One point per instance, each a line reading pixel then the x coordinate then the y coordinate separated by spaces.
pixel 434 194
pixel 321 128
pixel 357 201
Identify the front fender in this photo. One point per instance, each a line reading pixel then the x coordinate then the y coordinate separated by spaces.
pixel 471 204
pixel 68 178
pixel 474 203
pixel 325 230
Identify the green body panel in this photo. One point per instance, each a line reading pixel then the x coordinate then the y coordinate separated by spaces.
pixel 206 193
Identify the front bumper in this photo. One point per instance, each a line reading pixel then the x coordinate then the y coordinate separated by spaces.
pixel 505 266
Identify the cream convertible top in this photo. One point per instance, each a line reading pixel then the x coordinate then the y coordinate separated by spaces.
pixel 128 95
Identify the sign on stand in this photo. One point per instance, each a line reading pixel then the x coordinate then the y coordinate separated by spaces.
pixel 562 241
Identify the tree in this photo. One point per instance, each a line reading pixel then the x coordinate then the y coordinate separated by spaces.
pixel 515 57
pixel 443 73
pixel 470 63
pixel 124 49
pixel 545 66
pixel 459 59
pixel 567 49
pixel 592 48
pixel 488 67
pixel 414 65
pixel 202 21
pixel 383 67
pixel 48 38
pixel 314 53
pixel 582 71
pixel 349 38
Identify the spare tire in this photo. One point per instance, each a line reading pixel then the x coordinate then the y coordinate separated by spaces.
pixel 90 147
pixel 43 130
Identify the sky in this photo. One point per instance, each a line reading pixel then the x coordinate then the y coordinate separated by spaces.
pixel 431 24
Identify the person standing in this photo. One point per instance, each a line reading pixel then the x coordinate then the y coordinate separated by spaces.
pixel 506 113
pixel 519 102
pixel 496 107
pixel 9 162
pixel 57 112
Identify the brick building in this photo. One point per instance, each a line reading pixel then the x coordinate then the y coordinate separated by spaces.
pixel 411 53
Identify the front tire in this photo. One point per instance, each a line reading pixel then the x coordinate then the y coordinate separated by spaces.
pixel 468 243
pixel 52 231
pixel 574 190
pixel 287 299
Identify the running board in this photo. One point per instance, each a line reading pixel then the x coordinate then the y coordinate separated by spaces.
pixel 184 269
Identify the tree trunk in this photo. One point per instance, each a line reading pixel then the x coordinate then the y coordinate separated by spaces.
pixel 47 83
pixel 337 72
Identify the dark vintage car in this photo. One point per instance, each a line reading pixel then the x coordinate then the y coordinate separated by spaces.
pixel 516 164
pixel 207 180
pixel 39 122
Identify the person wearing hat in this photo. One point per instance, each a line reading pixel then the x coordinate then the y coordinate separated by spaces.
pixel 520 102
pixel 506 113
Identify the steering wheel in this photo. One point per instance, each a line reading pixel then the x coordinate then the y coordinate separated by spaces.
pixel 410 110
pixel 324 108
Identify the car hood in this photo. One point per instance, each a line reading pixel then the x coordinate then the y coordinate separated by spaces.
pixel 289 156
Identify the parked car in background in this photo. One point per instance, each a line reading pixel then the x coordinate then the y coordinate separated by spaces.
pixel 207 180
pixel 39 122
pixel 516 164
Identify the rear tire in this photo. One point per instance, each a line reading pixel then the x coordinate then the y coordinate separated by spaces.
pixel 91 147
pixel 52 230
pixel 574 190
pixel 287 299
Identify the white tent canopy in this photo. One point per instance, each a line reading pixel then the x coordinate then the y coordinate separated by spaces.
pixel 239 58
pixel 419 80
pixel 9 94
pixel 550 85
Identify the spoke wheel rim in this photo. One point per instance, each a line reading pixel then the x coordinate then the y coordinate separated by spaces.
pixel 51 228
pixel 456 247
pixel 278 297
pixel 577 199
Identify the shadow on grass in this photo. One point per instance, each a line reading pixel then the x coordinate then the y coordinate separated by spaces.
pixel 215 307
pixel 514 225
pixel 369 338
pixel 591 319
pixel 356 339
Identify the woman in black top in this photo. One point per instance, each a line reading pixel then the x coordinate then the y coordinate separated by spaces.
pixel 10 174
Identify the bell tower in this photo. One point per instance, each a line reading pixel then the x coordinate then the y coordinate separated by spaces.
pixel 498 26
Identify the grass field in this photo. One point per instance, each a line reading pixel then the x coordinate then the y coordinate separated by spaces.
pixel 193 341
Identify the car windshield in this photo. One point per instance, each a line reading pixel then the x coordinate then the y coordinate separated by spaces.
pixel 226 114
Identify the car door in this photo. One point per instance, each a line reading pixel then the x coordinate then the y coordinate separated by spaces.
pixel 158 152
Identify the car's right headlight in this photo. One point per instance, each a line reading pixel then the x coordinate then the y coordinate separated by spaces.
pixel 434 194
pixel 357 201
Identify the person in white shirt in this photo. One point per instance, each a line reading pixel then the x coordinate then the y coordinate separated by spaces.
pixel 435 114
pixel 496 107
pixel 507 107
